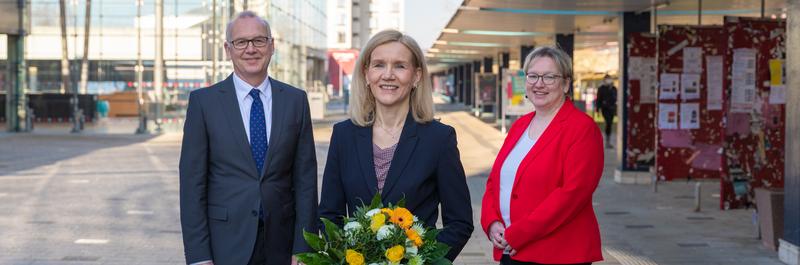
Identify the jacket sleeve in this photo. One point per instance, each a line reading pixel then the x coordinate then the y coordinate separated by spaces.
pixel 580 178
pixel 304 175
pixel 456 204
pixel 193 171
pixel 333 204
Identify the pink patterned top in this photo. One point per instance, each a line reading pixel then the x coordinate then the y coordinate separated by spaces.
pixel 383 160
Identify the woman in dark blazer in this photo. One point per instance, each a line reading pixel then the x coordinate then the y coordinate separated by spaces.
pixel 537 208
pixel 392 145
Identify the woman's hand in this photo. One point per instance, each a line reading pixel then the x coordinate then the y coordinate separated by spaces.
pixel 496 231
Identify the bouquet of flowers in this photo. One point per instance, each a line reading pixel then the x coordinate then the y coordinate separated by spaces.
pixel 376 235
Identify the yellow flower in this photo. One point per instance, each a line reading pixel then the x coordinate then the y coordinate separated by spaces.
pixel 354 258
pixel 387 211
pixel 377 221
pixel 395 254
pixel 414 237
pixel 402 217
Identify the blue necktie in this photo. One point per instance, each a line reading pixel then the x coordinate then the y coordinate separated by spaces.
pixel 258 136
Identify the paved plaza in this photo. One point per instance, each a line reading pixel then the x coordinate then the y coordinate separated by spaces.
pixel 110 197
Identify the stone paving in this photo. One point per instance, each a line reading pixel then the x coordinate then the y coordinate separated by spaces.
pixel 109 197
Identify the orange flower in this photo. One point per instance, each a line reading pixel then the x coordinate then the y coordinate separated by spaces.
pixel 402 217
pixel 414 237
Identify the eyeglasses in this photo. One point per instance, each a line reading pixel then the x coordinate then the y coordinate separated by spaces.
pixel 257 42
pixel 548 79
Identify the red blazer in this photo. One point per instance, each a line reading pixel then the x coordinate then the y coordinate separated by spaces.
pixel 552 220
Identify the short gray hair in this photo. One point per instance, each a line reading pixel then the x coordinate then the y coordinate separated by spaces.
pixel 561 58
pixel 246 14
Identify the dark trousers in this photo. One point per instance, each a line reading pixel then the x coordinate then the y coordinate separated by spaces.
pixel 506 260
pixel 259 256
pixel 608 117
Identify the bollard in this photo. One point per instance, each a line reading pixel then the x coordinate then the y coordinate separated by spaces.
pixel 697 197
pixel 654 178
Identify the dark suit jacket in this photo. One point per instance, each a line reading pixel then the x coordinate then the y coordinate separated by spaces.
pixel 220 187
pixel 426 169
pixel 552 219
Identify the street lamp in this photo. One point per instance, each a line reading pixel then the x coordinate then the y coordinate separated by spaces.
pixel 139 69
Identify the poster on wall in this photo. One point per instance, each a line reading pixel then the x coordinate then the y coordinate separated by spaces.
pixel 690 116
pixel 667 116
pixel 487 89
pixel 714 82
pixel 648 80
pixel 693 60
pixel 668 86
pixel 743 85
pixel 690 86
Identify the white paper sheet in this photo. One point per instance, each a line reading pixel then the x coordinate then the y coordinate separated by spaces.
pixel 690 86
pixel 648 80
pixel 777 94
pixel 690 116
pixel 667 116
pixel 714 81
pixel 668 86
pixel 743 85
pixel 693 60
pixel 634 68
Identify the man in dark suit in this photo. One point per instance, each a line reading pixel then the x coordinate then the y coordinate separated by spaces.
pixel 248 178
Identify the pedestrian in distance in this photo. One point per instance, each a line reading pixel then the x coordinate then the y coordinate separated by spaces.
pixel 607 103
pixel 391 145
pixel 537 208
pixel 248 178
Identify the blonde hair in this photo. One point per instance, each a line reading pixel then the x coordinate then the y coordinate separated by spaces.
pixel 362 102
pixel 561 58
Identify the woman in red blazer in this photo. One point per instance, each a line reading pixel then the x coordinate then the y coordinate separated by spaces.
pixel 537 208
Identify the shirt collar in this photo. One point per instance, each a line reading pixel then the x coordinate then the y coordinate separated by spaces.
pixel 243 88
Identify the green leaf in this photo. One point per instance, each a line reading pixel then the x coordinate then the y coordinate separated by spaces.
pixel 441 261
pixel 376 201
pixel 314 240
pixel 402 202
pixel 315 259
pixel 332 231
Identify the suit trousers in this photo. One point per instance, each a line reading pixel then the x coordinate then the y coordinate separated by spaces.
pixel 506 260
pixel 259 256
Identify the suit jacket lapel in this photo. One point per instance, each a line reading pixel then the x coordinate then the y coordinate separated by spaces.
pixel 364 153
pixel 549 135
pixel 230 106
pixel 405 147
pixel 278 122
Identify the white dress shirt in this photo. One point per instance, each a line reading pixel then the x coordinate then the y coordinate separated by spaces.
pixel 246 102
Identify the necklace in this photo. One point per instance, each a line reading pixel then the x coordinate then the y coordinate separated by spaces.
pixel 391 133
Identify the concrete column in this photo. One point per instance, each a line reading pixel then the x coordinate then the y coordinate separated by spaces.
pixel 461 83
pixel 524 50
pixel 788 248
pixel 16 102
pixel 488 62
pixel 476 69
pixel 468 84
pixel 498 105
pixel 567 43
pixel 630 22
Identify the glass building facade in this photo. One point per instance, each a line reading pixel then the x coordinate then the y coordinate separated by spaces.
pixel 193 36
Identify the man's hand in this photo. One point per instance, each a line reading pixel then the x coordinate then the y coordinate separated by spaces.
pixel 295 262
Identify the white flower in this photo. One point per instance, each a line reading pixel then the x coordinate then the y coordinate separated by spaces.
pixel 384 232
pixel 416 219
pixel 373 212
pixel 411 250
pixel 419 229
pixel 352 226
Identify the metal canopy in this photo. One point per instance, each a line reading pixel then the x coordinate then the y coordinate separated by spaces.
pixel 484 28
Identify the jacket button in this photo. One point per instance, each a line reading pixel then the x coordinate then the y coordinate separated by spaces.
pixel 513 196
pixel 254 212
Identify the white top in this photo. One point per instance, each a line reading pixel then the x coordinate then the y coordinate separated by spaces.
pixel 246 102
pixel 508 173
